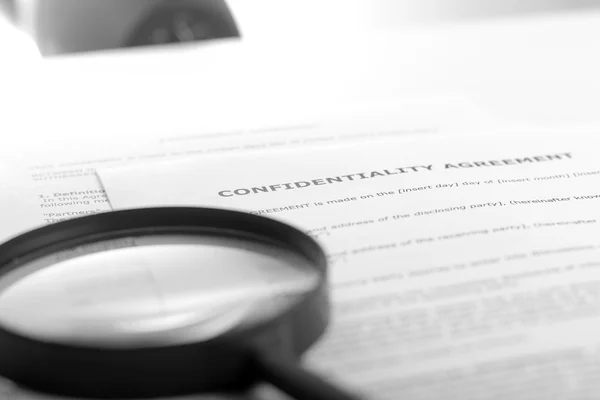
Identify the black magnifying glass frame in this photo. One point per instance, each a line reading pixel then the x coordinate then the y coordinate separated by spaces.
pixel 228 363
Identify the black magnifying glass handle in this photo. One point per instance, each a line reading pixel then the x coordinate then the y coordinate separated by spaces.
pixel 299 383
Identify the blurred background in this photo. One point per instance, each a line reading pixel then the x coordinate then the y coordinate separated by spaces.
pixel 125 65
pixel 50 27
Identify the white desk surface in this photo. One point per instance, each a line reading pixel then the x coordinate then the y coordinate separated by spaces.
pixel 540 69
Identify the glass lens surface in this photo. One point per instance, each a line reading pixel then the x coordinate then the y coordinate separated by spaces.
pixel 153 290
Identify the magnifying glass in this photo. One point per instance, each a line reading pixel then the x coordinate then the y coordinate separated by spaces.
pixel 163 302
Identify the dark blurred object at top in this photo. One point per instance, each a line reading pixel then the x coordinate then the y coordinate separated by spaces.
pixel 68 26
pixel 172 22
pixel 7 7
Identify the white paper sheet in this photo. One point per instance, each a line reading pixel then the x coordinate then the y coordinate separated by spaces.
pixel 462 268
pixel 48 176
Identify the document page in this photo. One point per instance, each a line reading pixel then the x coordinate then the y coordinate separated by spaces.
pixel 461 267
pixel 50 176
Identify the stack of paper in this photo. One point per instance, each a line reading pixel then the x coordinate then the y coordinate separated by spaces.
pixel 50 177
pixel 462 268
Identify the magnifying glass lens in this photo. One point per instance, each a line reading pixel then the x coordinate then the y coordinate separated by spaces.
pixel 163 302
pixel 153 290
